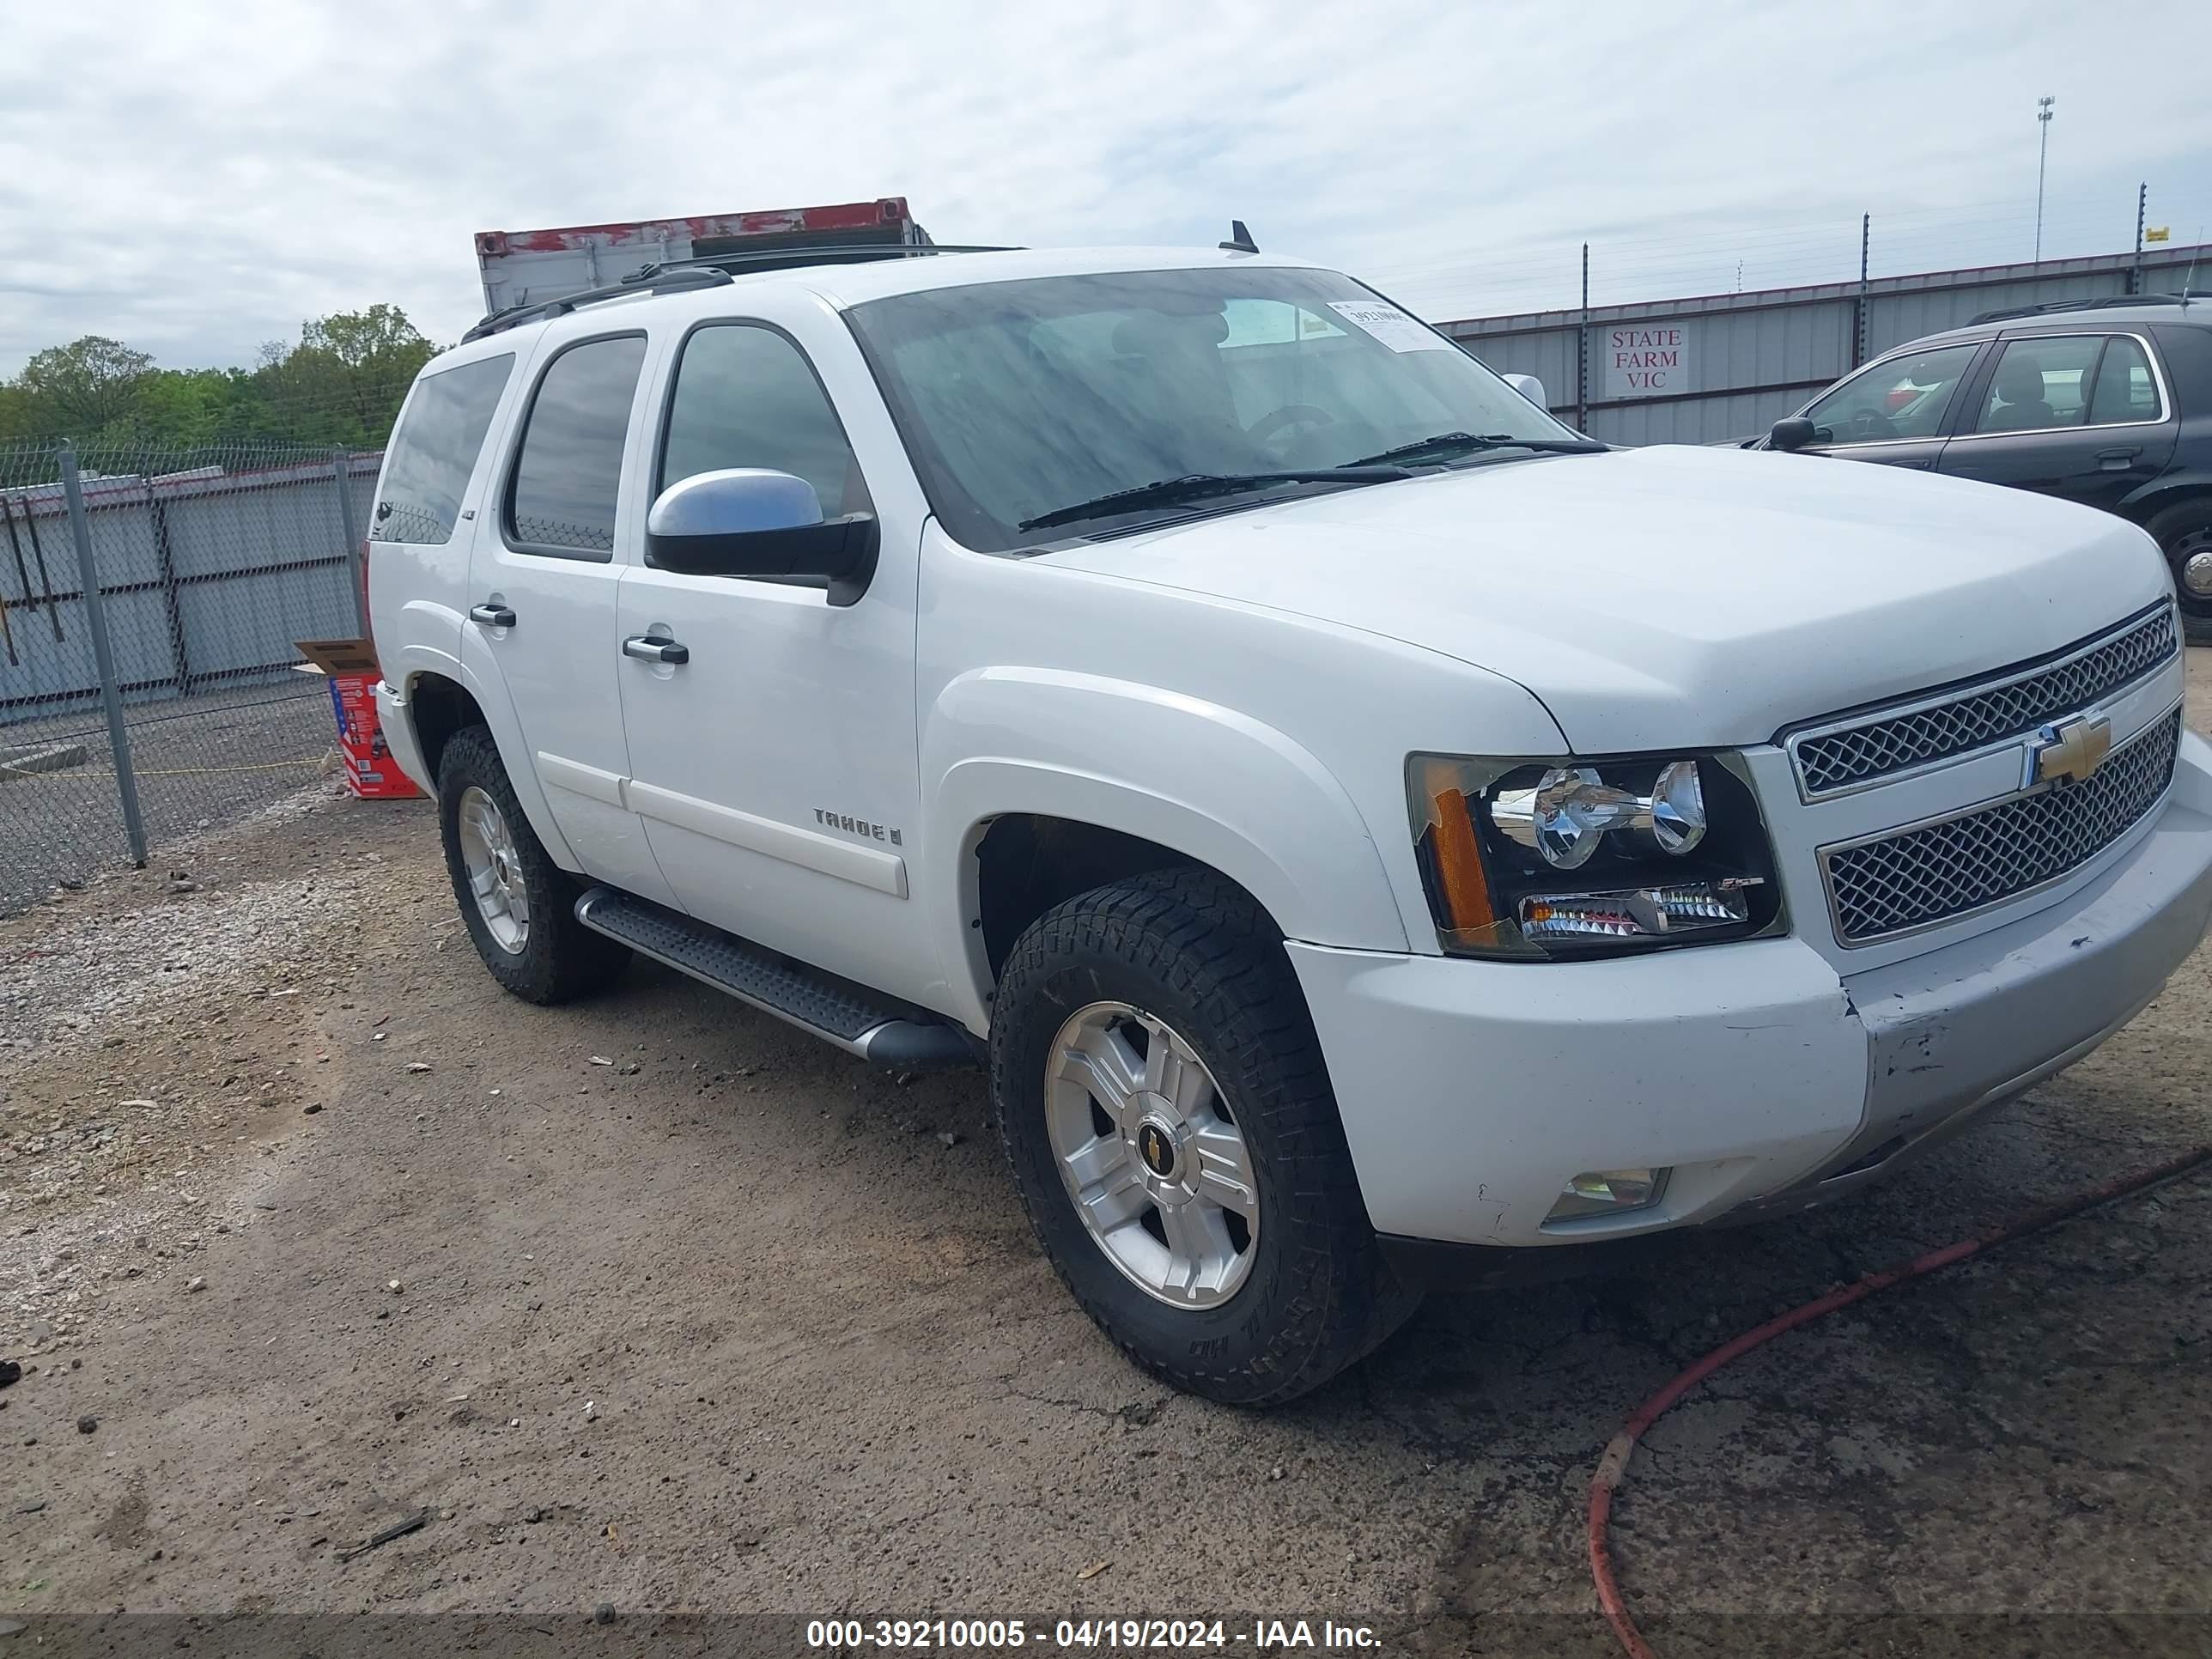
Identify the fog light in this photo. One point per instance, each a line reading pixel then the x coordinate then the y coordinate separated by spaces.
pixel 1608 1192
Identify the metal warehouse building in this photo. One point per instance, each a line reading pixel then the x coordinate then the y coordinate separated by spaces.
pixel 1729 365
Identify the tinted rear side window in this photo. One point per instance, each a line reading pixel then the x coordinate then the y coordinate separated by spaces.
pixel 2188 354
pixel 569 474
pixel 2125 391
pixel 435 451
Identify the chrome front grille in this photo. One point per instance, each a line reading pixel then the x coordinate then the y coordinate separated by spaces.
pixel 1939 871
pixel 1847 754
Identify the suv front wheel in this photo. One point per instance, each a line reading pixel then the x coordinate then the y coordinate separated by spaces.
pixel 1164 1104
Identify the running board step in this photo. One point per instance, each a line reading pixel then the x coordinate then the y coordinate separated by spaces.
pixel 880 1030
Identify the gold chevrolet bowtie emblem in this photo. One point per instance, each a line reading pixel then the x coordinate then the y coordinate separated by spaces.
pixel 2070 751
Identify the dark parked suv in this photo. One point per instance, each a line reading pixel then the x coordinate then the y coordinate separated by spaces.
pixel 2103 401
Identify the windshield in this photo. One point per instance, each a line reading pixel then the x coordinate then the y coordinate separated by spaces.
pixel 1019 400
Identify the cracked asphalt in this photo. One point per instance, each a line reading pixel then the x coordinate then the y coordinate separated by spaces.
pixel 725 1324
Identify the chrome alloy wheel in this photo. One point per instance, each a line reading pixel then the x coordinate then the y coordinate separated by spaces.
pixel 1157 1168
pixel 487 853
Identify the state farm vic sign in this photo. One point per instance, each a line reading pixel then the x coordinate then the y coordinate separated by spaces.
pixel 1645 360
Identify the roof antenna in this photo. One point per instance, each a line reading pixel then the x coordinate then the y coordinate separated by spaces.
pixel 1240 240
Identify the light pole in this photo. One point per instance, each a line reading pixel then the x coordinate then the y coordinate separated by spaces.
pixel 2042 148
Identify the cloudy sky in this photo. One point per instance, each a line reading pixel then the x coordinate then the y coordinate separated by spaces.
pixel 196 178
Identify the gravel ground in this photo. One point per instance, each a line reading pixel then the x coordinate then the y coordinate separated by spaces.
pixel 653 1303
pixel 203 763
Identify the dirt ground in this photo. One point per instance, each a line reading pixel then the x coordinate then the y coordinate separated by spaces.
pixel 656 1304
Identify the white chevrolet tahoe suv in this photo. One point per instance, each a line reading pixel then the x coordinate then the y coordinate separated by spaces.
pixel 1376 836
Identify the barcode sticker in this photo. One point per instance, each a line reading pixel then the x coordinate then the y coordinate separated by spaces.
pixel 1396 329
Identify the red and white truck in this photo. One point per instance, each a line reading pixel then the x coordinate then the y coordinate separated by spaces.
pixel 531 267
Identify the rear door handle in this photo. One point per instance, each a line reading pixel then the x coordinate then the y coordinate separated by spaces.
pixel 646 648
pixel 491 615
pixel 2116 460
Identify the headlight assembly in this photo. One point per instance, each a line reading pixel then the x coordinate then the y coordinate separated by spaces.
pixel 1567 813
pixel 1570 858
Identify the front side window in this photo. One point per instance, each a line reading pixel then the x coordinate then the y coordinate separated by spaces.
pixel 567 475
pixel 745 396
pixel 1900 397
pixel 2040 384
pixel 1019 400
pixel 434 453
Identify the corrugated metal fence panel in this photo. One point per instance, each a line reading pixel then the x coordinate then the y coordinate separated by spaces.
pixel 1547 353
pixel 2169 271
pixel 1771 347
pixel 48 671
pixel 139 635
pixel 365 470
pixel 242 628
pixel 285 523
pixel 122 539
pixel 62 670
pixel 207 579
pixel 279 524
pixel 1893 319
pixel 1703 420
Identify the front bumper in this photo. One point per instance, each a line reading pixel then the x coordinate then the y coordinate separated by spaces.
pixel 1473 1091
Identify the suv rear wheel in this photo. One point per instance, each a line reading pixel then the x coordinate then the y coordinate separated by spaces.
pixel 519 905
pixel 2184 535
pixel 1162 1101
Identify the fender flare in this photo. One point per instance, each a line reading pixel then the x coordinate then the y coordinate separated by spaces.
pixel 1216 787
pixel 498 710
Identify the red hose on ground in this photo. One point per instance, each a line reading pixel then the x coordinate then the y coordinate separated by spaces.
pixel 1613 1466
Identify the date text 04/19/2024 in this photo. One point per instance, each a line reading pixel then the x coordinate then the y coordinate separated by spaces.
pixel 1114 1635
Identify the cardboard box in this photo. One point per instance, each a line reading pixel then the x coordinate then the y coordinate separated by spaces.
pixel 351 667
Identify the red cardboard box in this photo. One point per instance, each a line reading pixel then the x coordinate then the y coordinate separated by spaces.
pixel 351 667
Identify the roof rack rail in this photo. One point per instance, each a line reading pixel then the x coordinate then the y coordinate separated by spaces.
pixel 827 253
pixel 2102 302
pixel 673 282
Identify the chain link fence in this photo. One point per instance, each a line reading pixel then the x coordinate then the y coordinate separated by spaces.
pixel 149 600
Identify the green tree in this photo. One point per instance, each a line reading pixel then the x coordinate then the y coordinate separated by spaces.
pixel 345 380
pixel 83 388
pixel 342 384
pixel 15 413
pixel 184 408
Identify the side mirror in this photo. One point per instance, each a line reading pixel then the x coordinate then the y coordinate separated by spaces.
pixel 1529 387
pixel 752 521
pixel 1792 435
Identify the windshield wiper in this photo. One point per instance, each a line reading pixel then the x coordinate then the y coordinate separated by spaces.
pixel 1461 442
pixel 1204 486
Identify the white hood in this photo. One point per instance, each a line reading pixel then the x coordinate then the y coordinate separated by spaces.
pixel 1673 596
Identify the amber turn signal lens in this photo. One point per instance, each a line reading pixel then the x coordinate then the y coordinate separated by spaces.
pixel 1458 860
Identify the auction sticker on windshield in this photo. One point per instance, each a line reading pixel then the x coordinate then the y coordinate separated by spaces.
pixel 1399 330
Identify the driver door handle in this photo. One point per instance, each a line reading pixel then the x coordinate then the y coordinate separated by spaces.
pixel 646 648
pixel 491 615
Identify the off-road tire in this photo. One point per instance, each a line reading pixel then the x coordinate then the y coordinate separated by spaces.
pixel 1194 950
pixel 561 959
